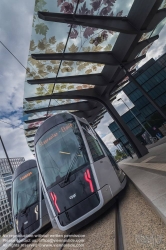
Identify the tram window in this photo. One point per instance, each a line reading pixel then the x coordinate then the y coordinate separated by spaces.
pixel 114 164
pixel 25 190
pixel 56 150
pixel 94 146
pixel 42 194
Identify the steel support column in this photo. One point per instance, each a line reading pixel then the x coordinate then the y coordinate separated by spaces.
pixel 140 149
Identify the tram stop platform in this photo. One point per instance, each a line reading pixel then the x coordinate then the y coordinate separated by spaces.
pixel 148 174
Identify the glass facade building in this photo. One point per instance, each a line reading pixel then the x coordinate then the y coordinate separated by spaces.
pixel 152 78
pixel 132 123
pixel 5 184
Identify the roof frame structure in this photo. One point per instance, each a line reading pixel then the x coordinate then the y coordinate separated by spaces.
pixel 142 18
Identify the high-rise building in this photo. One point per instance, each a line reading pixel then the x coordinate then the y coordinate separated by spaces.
pixel 132 123
pixel 152 77
pixel 5 184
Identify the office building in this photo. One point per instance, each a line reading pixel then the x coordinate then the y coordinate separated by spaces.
pixel 152 77
pixel 5 184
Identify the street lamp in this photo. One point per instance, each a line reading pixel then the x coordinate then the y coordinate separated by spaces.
pixel 135 116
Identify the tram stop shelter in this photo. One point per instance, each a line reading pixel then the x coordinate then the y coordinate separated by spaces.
pixel 81 55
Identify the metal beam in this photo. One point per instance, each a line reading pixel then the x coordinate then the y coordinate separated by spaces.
pixel 87 94
pixel 95 123
pixel 78 113
pixel 92 79
pixel 118 24
pixel 83 106
pixel 95 111
pixel 30 129
pixel 30 135
pixel 90 94
pixel 99 119
pixel 158 17
pixel 89 115
pixel 95 57
pixel 30 141
pixel 120 74
pixel 141 45
pixel 128 65
pixel 93 115
pixel 35 120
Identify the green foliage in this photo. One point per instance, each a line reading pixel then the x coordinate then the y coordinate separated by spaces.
pixel 32 45
pixel 67 63
pixel 70 87
pixel 41 29
pixel 60 47
pixel 52 40
pixel 108 47
pixel 67 69
pixel 41 44
pixel 73 48
pixel 49 68
pixel 39 4
pixel 88 71
pixel 119 155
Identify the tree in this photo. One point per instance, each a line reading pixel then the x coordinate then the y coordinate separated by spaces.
pixel 119 155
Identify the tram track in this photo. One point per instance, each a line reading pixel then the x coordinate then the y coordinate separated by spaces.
pixel 129 224
pixel 116 235
pixel 119 245
pixel 40 239
pixel 64 243
pixel 19 247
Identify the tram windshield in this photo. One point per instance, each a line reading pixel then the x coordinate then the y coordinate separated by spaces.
pixel 60 150
pixel 25 190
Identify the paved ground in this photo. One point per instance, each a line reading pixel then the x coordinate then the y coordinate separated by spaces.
pixel 99 234
pixel 157 154
pixel 142 228
pixel 149 176
pixel 7 237
pixel 161 141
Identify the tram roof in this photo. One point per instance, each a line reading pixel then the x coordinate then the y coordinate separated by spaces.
pixel 77 48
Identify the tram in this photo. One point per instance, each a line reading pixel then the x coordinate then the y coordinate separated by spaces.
pixel 29 211
pixel 78 173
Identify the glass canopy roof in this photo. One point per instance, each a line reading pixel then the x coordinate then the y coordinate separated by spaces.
pixel 50 37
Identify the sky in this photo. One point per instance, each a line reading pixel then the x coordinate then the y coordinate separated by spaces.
pixel 15 33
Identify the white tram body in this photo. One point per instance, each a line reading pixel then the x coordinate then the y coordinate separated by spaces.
pixel 80 178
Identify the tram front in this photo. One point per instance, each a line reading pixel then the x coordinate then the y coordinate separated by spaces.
pixel 66 172
pixel 25 200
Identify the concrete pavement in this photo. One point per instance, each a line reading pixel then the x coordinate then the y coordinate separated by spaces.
pixel 148 174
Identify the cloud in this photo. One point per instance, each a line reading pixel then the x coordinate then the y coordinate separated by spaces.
pixel 14 139
pixel 103 130
pixel 157 49
pixel 15 32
